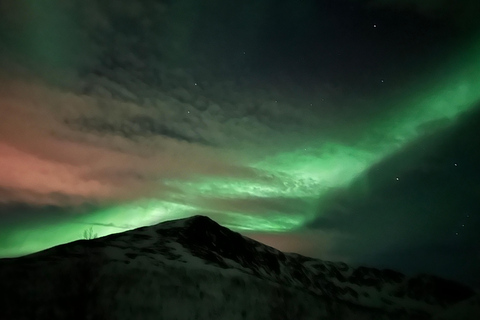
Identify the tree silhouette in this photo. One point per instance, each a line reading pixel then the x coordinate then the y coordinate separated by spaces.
pixel 89 235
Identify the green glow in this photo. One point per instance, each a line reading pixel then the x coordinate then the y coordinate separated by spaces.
pixel 305 172
pixel 242 222
pixel 283 185
pixel 319 168
pixel 27 239
pixel 316 168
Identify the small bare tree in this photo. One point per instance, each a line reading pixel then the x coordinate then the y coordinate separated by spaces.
pixel 89 235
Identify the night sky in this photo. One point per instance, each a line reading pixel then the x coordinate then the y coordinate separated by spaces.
pixel 344 130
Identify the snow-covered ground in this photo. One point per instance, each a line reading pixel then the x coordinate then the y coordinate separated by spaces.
pixel 196 269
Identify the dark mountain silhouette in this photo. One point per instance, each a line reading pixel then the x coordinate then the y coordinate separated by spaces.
pixel 196 269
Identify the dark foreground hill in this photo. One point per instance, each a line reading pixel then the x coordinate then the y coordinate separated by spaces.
pixel 196 269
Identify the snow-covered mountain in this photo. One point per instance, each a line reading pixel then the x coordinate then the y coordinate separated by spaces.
pixel 196 269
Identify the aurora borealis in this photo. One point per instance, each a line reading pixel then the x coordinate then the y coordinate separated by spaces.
pixel 305 126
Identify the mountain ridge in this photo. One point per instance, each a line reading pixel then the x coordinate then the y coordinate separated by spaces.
pixel 200 244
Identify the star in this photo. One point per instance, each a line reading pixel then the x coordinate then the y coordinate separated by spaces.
pixel 374 25
pixel 397 178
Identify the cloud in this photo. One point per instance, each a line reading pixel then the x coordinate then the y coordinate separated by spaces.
pixel 118 119
pixel 87 164
pixel 140 117
pixel 102 146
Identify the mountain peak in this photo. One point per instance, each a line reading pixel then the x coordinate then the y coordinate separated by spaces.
pixel 201 221
pixel 200 246
pixel 201 231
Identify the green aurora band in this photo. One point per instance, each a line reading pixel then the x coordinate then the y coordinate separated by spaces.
pixel 308 172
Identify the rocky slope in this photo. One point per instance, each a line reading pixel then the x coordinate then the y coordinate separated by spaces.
pixel 196 269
